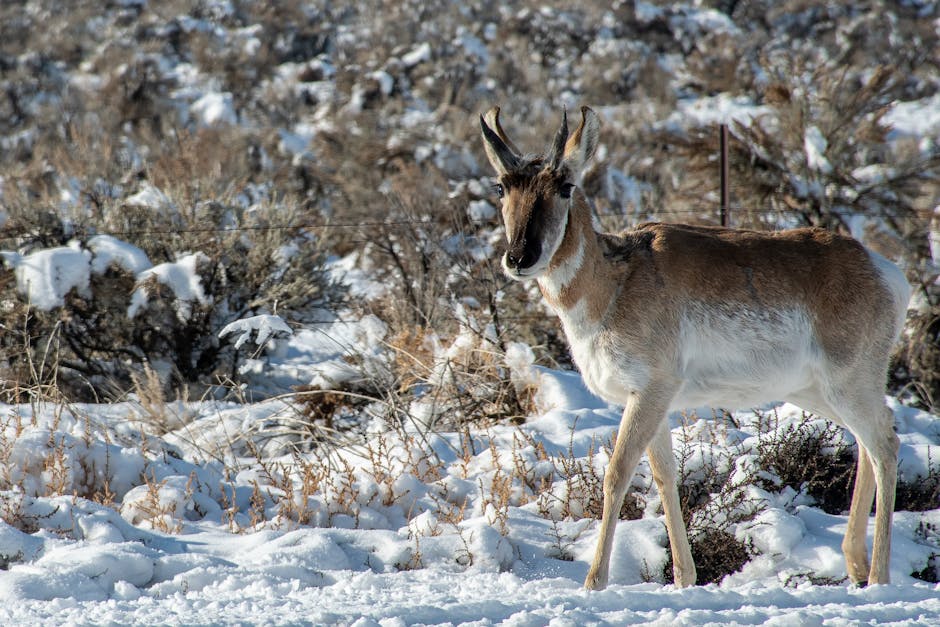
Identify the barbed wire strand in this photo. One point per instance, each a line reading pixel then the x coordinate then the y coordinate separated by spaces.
pixel 636 215
pixel 710 211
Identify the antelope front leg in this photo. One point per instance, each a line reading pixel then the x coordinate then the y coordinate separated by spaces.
pixel 641 417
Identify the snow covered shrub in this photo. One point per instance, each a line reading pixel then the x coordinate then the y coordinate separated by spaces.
pixel 715 500
pixel 809 456
pixel 917 368
pixel 449 320
pixel 107 307
pixel 717 554
pixel 343 411
pixel 931 572
pixel 928 534
pixel 816 153
pixel 918 493
pixel 469 379
pixel 64 455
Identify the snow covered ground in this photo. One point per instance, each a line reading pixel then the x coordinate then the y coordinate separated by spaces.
pixel 223 512
pixel 250 596
pixel 409 530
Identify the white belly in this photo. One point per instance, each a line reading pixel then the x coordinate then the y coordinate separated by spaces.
pixel 743 358
pixel 732 358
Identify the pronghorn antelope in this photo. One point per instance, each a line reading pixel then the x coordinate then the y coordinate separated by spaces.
pixel 669 316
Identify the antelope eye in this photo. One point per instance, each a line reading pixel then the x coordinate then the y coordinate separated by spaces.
pixel 498 190
pixel 565 191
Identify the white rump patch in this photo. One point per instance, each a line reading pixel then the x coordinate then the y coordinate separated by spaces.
pixel 896 283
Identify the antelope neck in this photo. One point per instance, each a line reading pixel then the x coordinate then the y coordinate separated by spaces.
pixel 575 277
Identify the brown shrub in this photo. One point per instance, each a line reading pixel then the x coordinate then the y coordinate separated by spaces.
pixel 811 457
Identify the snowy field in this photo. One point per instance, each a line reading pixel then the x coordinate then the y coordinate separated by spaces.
pixel 442 598
pixel 189 546
pixel 240 511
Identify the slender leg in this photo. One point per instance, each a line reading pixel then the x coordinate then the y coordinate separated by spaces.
pixel 872 423
pixel 663 465
pixel 884 459
pixel 641 417
pixel 854 544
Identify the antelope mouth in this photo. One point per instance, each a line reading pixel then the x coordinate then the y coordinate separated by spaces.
pixel 523 274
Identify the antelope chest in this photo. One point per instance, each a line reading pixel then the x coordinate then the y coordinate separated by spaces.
pixel 609 369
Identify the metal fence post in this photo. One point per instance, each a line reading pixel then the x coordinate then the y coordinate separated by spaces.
pixel 724 178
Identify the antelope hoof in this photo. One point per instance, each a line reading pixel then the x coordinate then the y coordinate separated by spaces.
pixel 858 569
pixel 594 582
pixel 683 580
pixel 875 579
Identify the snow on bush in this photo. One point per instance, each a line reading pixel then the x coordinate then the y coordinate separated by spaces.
pixel 181 276
pixel 149 196
pixel 45 277
pixel 263 328
pixel 109 250
pixel 214 109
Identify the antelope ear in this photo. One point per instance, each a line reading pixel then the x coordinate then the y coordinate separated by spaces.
pixel 583 142
pixel 500 151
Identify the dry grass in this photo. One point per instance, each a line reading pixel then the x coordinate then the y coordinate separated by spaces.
pixel 919 493
pixel 713 504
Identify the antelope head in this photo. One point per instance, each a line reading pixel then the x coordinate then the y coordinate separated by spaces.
pixel 537 191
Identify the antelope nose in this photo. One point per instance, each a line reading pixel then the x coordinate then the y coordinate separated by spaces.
pixel 522 257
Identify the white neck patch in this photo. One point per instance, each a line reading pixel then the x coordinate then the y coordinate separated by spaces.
pixel 562 276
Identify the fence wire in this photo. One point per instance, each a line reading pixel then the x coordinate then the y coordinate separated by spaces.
pixel 710 212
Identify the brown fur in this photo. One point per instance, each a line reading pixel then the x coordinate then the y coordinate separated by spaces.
pixel 830 274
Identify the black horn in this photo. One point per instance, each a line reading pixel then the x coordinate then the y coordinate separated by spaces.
pixel 557 151
pixel 498 148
